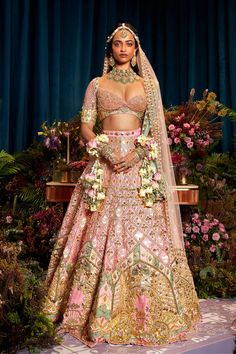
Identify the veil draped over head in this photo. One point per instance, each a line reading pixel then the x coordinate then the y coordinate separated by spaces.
pixel 154 125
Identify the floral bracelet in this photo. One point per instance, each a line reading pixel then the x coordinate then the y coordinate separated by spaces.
pixel 92 146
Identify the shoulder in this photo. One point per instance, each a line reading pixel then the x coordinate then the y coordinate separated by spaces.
pixel 94 82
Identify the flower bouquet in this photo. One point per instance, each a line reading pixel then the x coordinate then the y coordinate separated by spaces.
pixel 194 128
pixel 204 233
pixel 63 140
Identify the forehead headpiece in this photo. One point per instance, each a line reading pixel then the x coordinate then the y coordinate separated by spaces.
pixel 123 28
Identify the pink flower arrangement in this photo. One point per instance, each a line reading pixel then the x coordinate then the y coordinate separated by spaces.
pixel 207 232
pixel 194 126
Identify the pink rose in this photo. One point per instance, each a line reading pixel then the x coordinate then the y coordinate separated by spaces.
pixel 186 125
pixel 188 229
pixel 196 229
pixel 9 219
pixel 170 141
pixel 92 144
pixel 157 176
pixel 91 193
pixel 206 143
pixel 225 236
pixel 191 131
pixel 90 176
pixel 199 142
pixel 195 216
pixel 204 229
pixel 190 144
pixel 213 248
pixel 199 167
pixel 206 221
pixel 187 140
pixel 193 237
pixel 215 222
pixel 215 236
pixel 171 127
pixel 221 227
pixel 177 140
pixel 205 237
pixel 187 244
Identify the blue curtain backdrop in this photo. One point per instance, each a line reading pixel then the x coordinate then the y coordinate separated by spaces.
pixel 50 50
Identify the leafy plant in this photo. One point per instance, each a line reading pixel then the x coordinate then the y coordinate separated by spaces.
pixel 22 323
pixel 7 164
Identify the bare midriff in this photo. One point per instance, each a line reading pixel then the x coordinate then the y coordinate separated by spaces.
pixel 120 122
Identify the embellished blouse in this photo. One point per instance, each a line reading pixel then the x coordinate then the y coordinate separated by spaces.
pixel 102 103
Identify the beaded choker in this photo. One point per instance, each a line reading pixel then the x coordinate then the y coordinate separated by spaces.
pixel 123 76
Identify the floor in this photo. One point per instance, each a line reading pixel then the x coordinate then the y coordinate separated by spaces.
pixel 215 335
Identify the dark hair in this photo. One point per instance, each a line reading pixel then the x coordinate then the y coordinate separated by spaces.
pixel 108 49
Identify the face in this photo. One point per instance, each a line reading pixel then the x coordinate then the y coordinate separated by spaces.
pixel 123 46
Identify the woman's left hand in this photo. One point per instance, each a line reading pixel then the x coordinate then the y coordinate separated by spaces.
pixel 125 163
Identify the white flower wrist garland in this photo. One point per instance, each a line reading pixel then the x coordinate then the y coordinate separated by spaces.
pixel 152 182
pixel 94 192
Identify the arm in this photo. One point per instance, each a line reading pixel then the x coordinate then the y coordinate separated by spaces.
pixel 88 120
pixel 89 111
pixel 86 131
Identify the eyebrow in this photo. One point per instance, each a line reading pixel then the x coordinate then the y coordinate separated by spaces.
pixel 127 40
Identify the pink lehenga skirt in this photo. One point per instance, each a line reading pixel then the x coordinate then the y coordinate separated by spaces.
pixel 114 275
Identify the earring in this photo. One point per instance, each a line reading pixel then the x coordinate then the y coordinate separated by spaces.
pixel 133 61
pixel 111 61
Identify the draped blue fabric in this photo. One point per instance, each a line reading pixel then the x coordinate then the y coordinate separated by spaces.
pixel 50 50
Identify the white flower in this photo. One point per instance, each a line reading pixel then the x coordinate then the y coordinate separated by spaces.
pixel 152 155
pixel 103 138
pixel 142 192
pixel 149 203
pixel 99 172
pixel 100 196
pixel 149 190
pixel 145 181
pixel 142 172
pixel 93 207
pixel 95 185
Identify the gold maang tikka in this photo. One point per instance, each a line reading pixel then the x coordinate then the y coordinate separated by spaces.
pixel 124 33
pixel 125 29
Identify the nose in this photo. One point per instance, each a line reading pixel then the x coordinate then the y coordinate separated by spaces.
pixel 123 47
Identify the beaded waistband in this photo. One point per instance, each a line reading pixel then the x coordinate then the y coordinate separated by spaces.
pixel 135 132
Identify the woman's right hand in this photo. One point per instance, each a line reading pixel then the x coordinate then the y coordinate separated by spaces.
pixel 125 163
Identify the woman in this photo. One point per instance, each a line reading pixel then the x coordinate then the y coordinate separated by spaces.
pixel 118 272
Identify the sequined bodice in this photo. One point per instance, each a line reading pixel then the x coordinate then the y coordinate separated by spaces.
pixel 109 104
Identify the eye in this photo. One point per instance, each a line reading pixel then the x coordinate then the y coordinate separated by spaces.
pixel 130 44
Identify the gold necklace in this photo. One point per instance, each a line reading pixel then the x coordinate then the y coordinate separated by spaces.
pixel 123 76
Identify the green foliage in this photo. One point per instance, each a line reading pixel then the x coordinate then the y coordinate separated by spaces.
pixel 34 196
pixel 7 164
pixel 22 323
pixel 215 280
